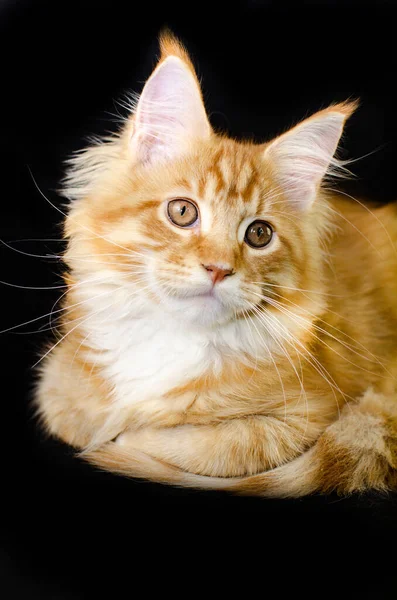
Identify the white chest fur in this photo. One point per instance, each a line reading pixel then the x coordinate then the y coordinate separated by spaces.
pixel 148 356
pixel 145 352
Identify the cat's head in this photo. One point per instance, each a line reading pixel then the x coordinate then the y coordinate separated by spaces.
pixel 207 228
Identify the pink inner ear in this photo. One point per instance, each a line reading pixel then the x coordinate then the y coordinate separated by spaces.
pixel 303 155
pixel 170 113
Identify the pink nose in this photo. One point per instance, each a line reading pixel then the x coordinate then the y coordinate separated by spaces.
pixel 217 273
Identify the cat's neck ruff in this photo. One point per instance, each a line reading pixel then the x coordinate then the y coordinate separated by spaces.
pixel 145 351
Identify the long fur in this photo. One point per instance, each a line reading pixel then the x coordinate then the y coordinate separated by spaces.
pixel 280 380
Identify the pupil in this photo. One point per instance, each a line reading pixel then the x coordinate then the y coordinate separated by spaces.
pixel 260 231
pixel 183 210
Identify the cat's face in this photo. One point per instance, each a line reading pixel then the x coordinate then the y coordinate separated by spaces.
pixel 220 240
pixel 208 237
pixel 207 228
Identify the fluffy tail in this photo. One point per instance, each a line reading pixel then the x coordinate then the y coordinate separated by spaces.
pixel 357 452
pixel 296 478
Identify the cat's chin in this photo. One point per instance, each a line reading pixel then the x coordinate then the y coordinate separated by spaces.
pixel 204 308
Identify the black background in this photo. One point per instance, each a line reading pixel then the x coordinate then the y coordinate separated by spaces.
pixel 67 530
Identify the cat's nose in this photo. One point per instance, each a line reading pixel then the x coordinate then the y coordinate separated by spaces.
pixel 217 274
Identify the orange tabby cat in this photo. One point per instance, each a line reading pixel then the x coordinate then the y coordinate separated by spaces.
pixel 228 323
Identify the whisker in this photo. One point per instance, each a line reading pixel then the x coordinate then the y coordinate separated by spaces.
pixel 90 316
pixel 275 366
pixel 29 287
pixel 47 256
pixel 295 289
pixel 64 214
pixel 325 332
pixel 274 363
pixel 298 319
pixel 48 314
pixel 317 365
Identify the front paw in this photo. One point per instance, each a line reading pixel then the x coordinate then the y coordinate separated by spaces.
pixel 359 451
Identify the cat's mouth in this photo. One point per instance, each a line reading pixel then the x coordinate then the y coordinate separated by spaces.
pixel 204 305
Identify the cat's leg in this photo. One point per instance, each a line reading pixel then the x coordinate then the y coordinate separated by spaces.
pixel 356 453
pixel 359 451
pixel 230 448
pixel 72 401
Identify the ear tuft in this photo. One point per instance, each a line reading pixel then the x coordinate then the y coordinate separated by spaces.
pixel 346 108
pixel 304 155
pixel 171 46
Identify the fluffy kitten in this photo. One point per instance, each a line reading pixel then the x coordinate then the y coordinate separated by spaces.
pixel 228 323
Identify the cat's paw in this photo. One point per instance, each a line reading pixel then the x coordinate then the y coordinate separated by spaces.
pixel 359 451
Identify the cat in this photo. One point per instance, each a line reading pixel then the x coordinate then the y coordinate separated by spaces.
pixel 230 322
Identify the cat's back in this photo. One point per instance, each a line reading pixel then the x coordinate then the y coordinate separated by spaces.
pixel 361 276
pixel 364 246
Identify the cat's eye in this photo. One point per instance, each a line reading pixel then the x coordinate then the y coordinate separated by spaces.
pixel 182 212
pixel 258 234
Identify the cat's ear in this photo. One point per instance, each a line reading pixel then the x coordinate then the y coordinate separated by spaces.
pixel 170 113
pixel 301 157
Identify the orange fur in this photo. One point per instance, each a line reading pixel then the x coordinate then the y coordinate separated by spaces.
pixel 317 412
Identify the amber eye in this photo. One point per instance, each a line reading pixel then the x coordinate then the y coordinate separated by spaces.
pixel 182 212
pixel 258 234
